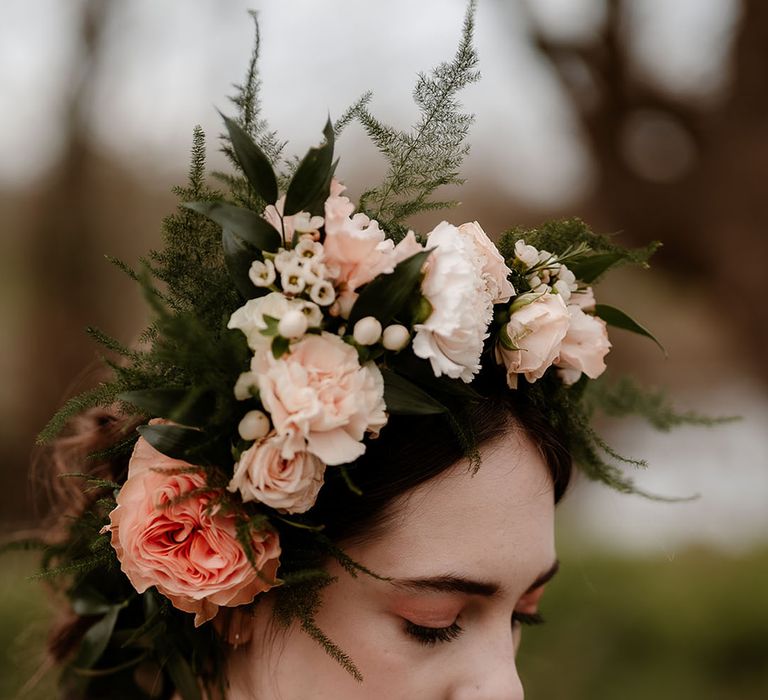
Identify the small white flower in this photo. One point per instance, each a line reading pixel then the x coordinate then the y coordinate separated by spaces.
pixel 283 259
pixel 254 425
pixel 304 223
pixel 309 249
pixel 545 257
pixel 527 254
pixel 262 274
pixel 395 337
pixel 563 289
pixel 534 282
pixel 293 325
pixel 322 292
pixel 292 279
pixel 313 313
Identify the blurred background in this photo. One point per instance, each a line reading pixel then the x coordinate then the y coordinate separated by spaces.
pixel 641 116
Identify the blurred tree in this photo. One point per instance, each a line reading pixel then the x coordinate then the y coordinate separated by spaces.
pixel 689 172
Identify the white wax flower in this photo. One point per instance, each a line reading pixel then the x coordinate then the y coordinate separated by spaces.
pixel 254 425
pixel 262 273
pixel 367 331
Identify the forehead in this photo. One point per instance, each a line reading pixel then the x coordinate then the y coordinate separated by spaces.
pixel 495 524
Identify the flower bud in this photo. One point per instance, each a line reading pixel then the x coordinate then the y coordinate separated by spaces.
pixel 293 324
pixel 254 425
pixel 396 337
pixel 367 331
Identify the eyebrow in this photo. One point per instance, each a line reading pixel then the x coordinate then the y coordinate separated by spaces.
pixel 458 584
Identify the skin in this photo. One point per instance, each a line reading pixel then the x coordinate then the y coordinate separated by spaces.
pixel 495 528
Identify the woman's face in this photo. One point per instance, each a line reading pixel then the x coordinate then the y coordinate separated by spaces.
pixel 468 556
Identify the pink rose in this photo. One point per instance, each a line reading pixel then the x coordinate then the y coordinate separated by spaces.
pixel 319 392
pixel 183 546
pixel 289 485
pixel 537 331
pixel 584 347
pixel 495 270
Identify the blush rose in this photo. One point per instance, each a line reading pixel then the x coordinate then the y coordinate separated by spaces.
pixel 584 347
pixel 167 534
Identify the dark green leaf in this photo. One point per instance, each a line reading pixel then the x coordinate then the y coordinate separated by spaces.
pixel 185 406
pixel 172 440
pixel 183 679
pixel 280 346
pixel 312 177
pixel 253 161
pixel 403 396
pixel 96 639
pixel 386 295
pixel 89 602
pixel 247 224
pixel 588 269
pixel 239 256
pixel 420 371
pixel 614 317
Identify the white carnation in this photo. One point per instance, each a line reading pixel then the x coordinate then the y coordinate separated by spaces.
pixel 453 335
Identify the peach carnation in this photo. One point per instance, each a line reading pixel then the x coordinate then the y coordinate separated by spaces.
pixel 184 546
pixel 289 485
pixel 584 347
pixel 494 268
pixel 319 392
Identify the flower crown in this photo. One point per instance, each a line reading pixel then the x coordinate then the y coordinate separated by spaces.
pixel 288 329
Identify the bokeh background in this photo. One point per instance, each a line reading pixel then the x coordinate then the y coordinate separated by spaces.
pixel 647 117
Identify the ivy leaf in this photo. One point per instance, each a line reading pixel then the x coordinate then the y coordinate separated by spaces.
pixel 180 405
pixel 239 256
pixel 173 441
pixel 312 178
pixel 247 224
pixel 182 677
pixel 404 397
pixel 254 162
pixel 386 295
pixel 96 640
pixel 589 268
pixel 614 317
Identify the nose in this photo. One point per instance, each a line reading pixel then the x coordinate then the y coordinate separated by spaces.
pixel 490 672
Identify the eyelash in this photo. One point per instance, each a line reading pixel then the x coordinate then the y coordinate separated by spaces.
pixel 429 636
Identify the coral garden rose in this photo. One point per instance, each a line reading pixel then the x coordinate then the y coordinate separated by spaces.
pixel 452 337
pixel 495 270
pixel 182 545
pixel 584 347
pixel 319 392
pixel 289 485
pixel 537 331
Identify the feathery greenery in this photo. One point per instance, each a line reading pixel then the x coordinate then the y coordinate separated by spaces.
pixel 430 154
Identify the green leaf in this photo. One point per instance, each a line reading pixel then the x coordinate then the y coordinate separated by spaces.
pixel 239 257
pixel 96 639
pixel 311 180
pixel 386 295
pixel 589 268
pixel 404 397
pixel 172 440
pixel 87 601
pixel 183 679
pixel 180 405
pixel 247 224
pixel 253 161
pixel 280 346
pixel 614 317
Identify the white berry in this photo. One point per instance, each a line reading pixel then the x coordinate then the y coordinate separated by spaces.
pixel 396 337
pixel 254 425
pixel 293 324
pixel 367 331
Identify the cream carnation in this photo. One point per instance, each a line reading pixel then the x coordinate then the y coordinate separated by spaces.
pixel 584 347
pixel 320 392
pixel 536 330
pixel 452 337
pixel 289 485
pixel 166 537
pixel 495 270
pixel 249 318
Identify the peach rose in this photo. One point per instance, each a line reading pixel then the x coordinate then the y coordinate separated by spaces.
pixel 495 270
pixel 289 485
pixel 319 392
pixel 584 347
pixel 185 548
pixel 537 331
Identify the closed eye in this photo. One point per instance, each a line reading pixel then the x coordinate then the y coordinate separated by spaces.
pixel 429 636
